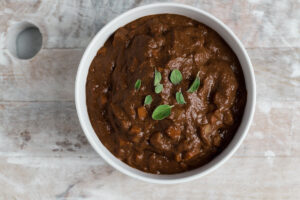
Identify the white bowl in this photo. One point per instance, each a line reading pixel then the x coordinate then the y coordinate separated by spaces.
pixel 129 16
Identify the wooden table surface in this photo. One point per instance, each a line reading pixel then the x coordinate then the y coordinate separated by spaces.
pixel 45 155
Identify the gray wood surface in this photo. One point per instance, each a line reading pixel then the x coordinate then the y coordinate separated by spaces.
pixel 44 153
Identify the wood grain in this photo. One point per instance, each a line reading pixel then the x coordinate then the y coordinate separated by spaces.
pixel 45 155
pixel 86 178
pixel 52 128
pixel 50 75
pixel 257 23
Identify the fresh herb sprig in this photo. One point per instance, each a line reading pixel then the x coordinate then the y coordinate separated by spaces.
pixel 163 111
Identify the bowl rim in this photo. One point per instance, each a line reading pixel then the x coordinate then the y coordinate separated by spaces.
pixel 81 108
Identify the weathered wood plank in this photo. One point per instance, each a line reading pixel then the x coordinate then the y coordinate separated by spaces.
pixel 50 76
pixel 277 73
pixel 52 129
pixel 41 129
pixel 82 178
pixel 274 130
pixel 72 24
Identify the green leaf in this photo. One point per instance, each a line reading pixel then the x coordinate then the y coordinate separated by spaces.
pixel 176 76
pixel 180 98
pixel 138 84
pixel 157 77
pixel 159 88
pixel 161 112
pixel 195 85
pixel 148 100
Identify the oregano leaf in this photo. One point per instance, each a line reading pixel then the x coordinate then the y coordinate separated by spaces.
pixel 148 100
pixel 180 98
pixel 195 85
pixel 161 112
pixel 138 84
pixel 176 76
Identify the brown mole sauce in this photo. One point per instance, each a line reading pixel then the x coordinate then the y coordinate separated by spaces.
pixel 195 132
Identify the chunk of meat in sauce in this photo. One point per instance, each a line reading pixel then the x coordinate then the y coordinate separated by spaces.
pixel 161 142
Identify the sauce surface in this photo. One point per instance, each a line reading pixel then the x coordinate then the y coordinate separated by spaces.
pixel 195 132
